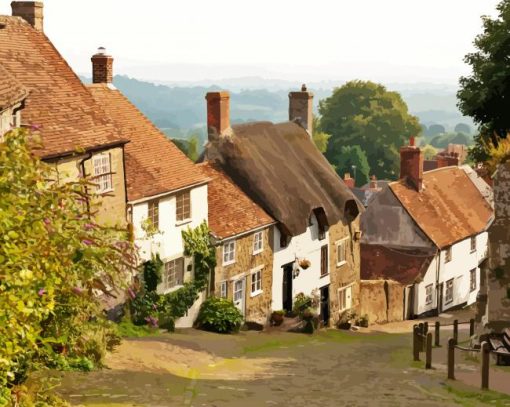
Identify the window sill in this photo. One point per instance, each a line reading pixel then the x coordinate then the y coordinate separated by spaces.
pixel 324 275
pixel 341 263
pixel 255 293
pixel 107 191
pixel 171 289
pixel 228 263
pixel 257 252
pixel 183 222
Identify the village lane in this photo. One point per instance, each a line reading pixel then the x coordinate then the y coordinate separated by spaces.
pixel 330 368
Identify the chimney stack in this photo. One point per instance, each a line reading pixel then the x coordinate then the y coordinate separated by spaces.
pixel 218 112
pixel 411 165
pixel 373 182
pixel 301 108
pixel 102 67
pixel 350 182
pixel 30 11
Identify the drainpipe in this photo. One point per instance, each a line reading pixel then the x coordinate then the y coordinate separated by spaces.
pixel 438 266
pixel 82 167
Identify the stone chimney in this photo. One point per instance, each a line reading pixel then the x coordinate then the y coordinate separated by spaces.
pixel 30 11
pixel 102 67
pixel 411 165
pixel 373 182
pixel 447 160
pixel 350 182
pixel 301 108
pixel 218 112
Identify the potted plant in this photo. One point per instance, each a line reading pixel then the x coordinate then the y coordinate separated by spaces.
pixel 363 321
pixel 304 263
pixel 345 321
pixel 277 318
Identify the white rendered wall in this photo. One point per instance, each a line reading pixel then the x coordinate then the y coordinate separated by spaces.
pixel 420 292
pixel 306 245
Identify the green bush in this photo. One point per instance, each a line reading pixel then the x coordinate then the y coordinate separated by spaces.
pixel 219 315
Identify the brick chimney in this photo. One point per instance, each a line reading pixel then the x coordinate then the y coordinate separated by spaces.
pixel 411 165
pixel 447 160
pixel 102 67
pixel 301 108
pixel 218 111
pixel 350 182
pixel 30 11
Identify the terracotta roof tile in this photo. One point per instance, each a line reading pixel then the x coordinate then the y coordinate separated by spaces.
pixel 448 209
pixel 11 91
pixel 154 164
pixel 231 212
pixel 58 101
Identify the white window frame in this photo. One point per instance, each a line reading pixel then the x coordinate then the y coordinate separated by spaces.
pixel 343 243
pixel 165 279
pixel 342 305
pixel 472 280
pixel 258 283
pixel 229 258
pixel 178 196
pixel 102 171
pixel 237 295
pixel 224 289
pixel 258 242
pixel 449 298
pixel 429 294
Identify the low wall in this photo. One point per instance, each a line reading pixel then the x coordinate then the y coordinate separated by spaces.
pixel 381 300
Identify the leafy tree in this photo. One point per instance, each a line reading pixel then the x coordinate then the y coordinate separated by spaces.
pixel 366 114
pixel 484 94
pixel 352 159
pixel 443 140
pixel 435 130
pixel 462 128
pixel 53 260
pixel 190 146
pixel 429 152
pixel 320 138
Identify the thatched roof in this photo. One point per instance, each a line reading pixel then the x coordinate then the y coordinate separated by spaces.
pixel 279 167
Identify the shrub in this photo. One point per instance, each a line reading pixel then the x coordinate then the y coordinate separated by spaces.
pixel 219 315
pixel 303 302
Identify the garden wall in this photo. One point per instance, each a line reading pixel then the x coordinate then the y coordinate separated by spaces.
pixel 381 300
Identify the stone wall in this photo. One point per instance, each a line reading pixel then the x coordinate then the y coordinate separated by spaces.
pixel 381 300
pixel 348 273
pixel 257 308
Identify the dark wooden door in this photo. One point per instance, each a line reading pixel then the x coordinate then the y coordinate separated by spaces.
pixel 325 305
pixel 287 287
pixel 440 299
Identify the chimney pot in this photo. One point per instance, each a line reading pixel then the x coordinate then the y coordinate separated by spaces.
pixel 350 182
pixel 218 112
pixel 301 108
pixel 30 11
pixel 411 141
pixel 102 67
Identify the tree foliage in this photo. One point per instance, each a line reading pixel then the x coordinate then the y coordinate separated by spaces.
pixel 320 138
pixel 435 130
pixel 484 94
pixel 54 260
pixel 443 140
pixel 366 114
pixel 428 151
pixel 462 128
pixel 352 160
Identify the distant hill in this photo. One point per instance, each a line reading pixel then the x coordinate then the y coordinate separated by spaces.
pixel 181 110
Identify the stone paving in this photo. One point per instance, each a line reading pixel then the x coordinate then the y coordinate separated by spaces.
pixel 330 368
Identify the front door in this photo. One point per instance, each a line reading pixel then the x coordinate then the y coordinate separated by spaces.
pixel 287 287
pixel 325 305
pixel 239 287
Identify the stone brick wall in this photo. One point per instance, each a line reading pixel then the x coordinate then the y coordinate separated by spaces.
pixel 257 308
pixel 381 300
pixel 348 273
pixel 112 209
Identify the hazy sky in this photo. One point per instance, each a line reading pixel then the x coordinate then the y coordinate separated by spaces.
pixel 386 40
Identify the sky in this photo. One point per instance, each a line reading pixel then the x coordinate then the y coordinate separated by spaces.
pixel 402 41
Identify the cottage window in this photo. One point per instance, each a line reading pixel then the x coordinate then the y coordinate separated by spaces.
pixel 324 260
pixel 345 298
pixel 174 273
pixel 449 291
pixel 256 282
pixel 473 244
pixel 229 252
pixel 258 242
pixel 472 280
pixel 428 294
pixel 341 252
pixel 238 290
pixel 448 255
pixel 153 215
pixel 102 173
pixel 183 206
pixel 223 289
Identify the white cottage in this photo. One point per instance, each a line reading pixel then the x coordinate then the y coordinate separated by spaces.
pixel 429 232
pixel 166 192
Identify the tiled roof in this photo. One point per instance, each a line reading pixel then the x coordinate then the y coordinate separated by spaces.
pixel 448 209
pixel 154 164
pixel 406 267
pixel 11 91
pixel 231 212
pixel 58 102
